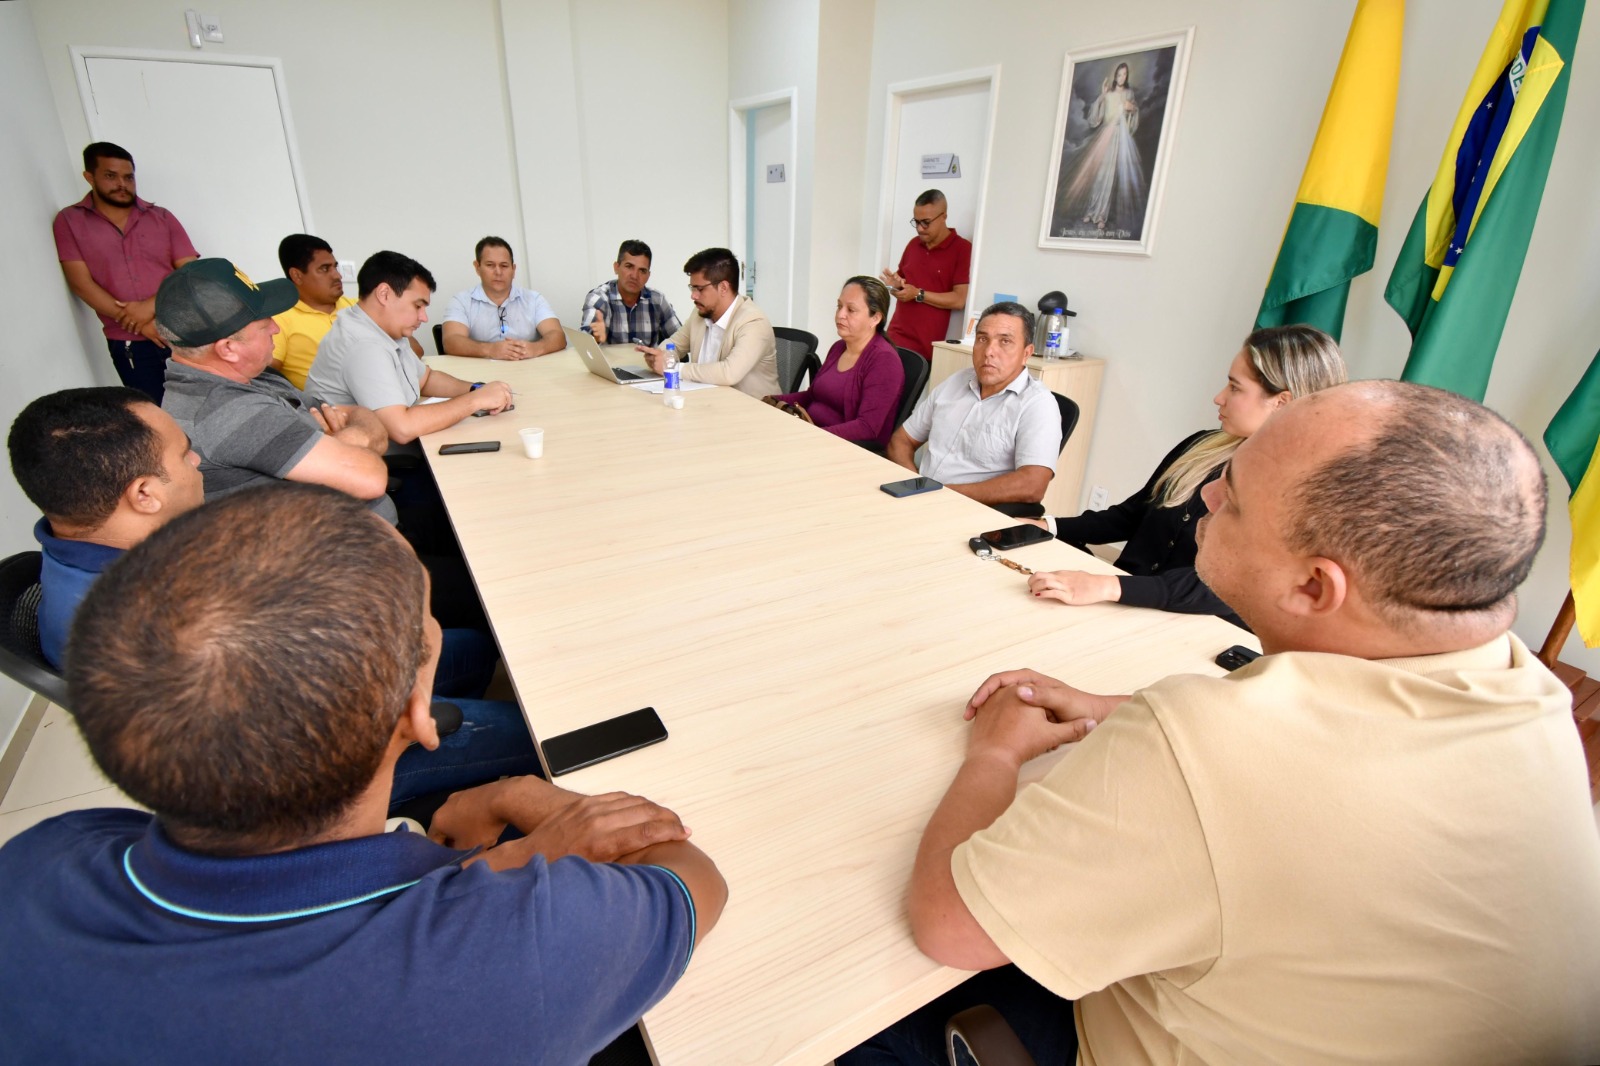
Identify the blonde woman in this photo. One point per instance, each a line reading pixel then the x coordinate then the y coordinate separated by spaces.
pixel 1275 365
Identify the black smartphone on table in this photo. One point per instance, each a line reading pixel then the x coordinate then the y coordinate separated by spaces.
pixel 911 487
pixel 603 740
pixel 1019 536
pixel 1235 657
pixel 470 447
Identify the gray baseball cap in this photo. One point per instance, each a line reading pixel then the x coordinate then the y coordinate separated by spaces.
pixel 209 299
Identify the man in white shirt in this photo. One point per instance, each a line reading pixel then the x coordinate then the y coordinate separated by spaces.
pixel 499 319
pixel 728 341
pixel 993 431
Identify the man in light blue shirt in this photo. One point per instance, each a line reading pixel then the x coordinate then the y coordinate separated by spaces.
pixel 993 432
pixel 497 319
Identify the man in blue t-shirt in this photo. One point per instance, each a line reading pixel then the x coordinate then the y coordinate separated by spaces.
pixel 108 468
pixel 261 914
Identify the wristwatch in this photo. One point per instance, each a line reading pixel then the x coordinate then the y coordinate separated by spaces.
pixel 920 294
pixel 476 385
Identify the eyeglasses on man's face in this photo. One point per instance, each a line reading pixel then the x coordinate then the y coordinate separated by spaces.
pixel 924 223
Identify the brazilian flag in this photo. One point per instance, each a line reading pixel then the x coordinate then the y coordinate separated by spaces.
pixel 1459 265
pixel 1573 438
pixel 1333 230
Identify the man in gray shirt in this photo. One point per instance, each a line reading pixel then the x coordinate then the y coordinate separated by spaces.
pixel 249 424
pixel 365 358
pixel 993 432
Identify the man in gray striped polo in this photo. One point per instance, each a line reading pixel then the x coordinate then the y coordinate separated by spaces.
pixel 247 421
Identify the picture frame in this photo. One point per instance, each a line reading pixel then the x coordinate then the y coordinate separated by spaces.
pixel 1116 119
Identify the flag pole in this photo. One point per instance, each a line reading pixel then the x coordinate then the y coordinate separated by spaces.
pixel 1558 632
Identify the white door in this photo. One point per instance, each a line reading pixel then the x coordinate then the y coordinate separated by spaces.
pixel 210 144
pixel 770 199
pixel 941 121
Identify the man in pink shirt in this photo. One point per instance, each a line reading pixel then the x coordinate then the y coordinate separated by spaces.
pixel 932 279
pixel 114 249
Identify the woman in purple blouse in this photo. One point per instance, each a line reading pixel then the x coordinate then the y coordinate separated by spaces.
pixel 857 391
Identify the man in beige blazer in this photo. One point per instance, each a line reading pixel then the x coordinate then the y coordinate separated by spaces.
pixel 729 341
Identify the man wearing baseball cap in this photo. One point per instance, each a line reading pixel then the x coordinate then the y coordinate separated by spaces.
pixel 249 424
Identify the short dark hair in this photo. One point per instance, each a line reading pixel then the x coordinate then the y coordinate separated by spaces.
pixel 717 264
pixel 93 153
pixel 217 686
pixel 1015 310
pixel 492 242
pixel 876 294
pixel 932 196
pixel 392 269
pixel 1441 510
pixel 74 452
pixel 632 247
pixel 295 251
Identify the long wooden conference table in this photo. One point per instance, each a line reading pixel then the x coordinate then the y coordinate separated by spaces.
pixel 809 642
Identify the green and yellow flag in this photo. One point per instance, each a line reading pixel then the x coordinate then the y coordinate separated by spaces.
pixel 1458 269
pixel 1333 230
pixel 1573 438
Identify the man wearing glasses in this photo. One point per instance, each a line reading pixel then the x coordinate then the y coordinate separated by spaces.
pixel 499 320
pixel 729 340
pixel 932 280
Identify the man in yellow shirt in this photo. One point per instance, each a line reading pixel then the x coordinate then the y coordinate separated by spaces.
pixel 1372 844
pixel 308 262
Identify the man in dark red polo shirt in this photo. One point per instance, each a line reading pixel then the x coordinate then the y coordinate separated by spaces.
pixel 932 280
pixel 114 249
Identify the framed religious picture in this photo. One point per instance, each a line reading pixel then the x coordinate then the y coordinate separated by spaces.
pixel 1115 124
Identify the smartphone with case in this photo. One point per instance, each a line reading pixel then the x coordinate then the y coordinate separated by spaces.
pixel 603 740
pixel 911 486
pixel 470 447
pixel 1019 536
pixel 1235 657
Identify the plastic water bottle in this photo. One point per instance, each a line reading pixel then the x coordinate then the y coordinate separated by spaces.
pixel 671 392
pixel 1055 335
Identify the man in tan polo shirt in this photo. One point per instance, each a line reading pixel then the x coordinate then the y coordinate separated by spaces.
pixel 1373 844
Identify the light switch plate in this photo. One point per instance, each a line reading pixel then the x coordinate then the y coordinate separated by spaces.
pixel 211 26
pixel 774 173
pixel 347 272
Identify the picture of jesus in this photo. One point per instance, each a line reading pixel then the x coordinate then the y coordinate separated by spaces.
pixel 1117 107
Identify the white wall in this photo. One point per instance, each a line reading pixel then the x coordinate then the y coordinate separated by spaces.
pixel 1258 77
pixel 844 78
pixel 612 146
pixel 772 46
pixel 43 350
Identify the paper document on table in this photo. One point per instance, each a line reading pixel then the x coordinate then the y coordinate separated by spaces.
pixel 656 385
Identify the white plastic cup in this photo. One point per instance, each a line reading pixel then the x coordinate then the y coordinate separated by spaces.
pixel 532 442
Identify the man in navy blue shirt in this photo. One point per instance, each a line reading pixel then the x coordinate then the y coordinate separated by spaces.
pixel 108 468
pixel 261 914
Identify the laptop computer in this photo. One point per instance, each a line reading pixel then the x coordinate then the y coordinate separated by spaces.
pixel 600 366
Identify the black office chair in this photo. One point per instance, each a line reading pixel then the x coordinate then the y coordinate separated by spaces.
pixel 21 658
pixel 1069 422
pixel 916 370
pixel 438 337
pixel 797 354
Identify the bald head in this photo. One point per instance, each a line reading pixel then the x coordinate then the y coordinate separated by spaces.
pixel 1433 502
